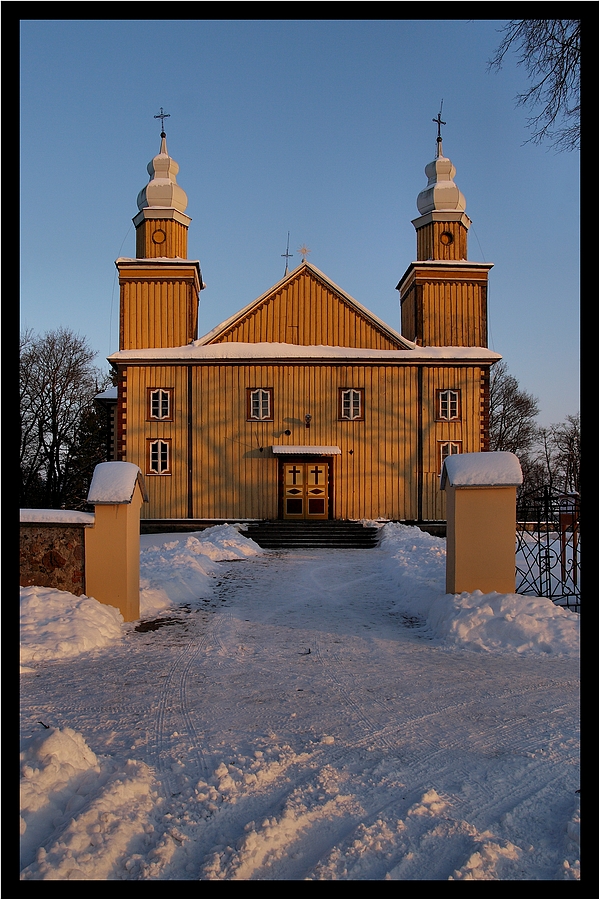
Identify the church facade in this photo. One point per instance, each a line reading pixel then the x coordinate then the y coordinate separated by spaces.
pixel 303 405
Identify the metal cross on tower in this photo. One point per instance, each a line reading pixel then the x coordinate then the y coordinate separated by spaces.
pixel 287 255
pixel 162 116
pixel 439 122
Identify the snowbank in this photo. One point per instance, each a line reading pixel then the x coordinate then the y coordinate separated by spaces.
pixel 180 568
pixel 79 814
pixel 492 622
pixel 57 624
pixel 499 622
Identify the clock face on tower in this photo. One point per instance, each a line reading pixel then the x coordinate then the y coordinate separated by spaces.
pixel 158 236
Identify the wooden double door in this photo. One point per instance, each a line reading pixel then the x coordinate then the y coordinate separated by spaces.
pixel 306 489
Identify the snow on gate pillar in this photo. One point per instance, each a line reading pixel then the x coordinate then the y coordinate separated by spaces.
pixel 481 517
pixel 112 546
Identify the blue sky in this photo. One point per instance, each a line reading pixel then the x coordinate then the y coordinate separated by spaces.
pixel 321 128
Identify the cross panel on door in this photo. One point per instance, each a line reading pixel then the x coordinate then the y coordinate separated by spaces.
pixel 305 490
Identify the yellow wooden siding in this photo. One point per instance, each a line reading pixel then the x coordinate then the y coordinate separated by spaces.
pixel 305 311
pixel 168 493
pixel 234 478
pixel 174 245
pixel 453 315
pixel 408 310
pixel 157 313
pixel 465 431
pixel 429 245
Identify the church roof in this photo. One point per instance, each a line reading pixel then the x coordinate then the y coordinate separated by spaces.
pixel 271 351
pixel 162 191
pixel 441 192
pixel 225 329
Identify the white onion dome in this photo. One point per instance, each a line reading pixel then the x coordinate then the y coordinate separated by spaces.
pixel 441 192
pixel 162 191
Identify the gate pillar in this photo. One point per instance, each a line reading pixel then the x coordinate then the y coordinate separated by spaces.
pixel 112 546
pixel 481 517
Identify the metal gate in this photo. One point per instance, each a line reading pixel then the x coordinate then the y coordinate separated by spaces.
pixel 548 550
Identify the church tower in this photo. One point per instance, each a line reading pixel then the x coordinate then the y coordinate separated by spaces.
pixel 443 297
pixel 160 288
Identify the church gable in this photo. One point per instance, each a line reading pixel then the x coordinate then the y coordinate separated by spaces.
pixel 308 309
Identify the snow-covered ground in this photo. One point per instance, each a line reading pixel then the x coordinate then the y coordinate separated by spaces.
pixel 298 715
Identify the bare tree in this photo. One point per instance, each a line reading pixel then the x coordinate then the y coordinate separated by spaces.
pixel 558 452
pixel 512 413
pixel 567 443
pixel 58 382
pixel 549 49
pixel 30 417
pixel 550 457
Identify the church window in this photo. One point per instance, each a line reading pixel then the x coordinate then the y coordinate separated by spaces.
pixel 159 403
pixel 159 458
pixel 351 403
pixel 448 448
pixel 448 405
pixel 259 404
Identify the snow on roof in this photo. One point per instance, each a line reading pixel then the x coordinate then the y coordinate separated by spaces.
pixel 57 516
pixel 110 393
pixel 279 449
pixel 489 468
pixel 114 482
pixel 234 350
pixel 152 260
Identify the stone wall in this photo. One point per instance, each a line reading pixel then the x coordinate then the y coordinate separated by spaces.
pixel 53 555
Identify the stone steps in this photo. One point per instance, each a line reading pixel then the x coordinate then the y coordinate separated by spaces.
pixel 305 535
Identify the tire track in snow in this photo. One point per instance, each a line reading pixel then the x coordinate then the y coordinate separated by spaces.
pixel 497 737
pixel 175 685
pixel 331 667
pixel 160 751
pixel 406 725
pixel 190 659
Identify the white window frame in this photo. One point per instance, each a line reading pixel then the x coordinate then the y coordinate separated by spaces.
pixel 351 404
pixel 449 404
pixel 159 399
pixel 455 447
pixel 159 457
pixel 260 404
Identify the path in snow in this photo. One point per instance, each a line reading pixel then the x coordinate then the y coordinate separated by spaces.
pixel 379 754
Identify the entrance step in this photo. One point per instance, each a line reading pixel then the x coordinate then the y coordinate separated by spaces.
pixel 304 535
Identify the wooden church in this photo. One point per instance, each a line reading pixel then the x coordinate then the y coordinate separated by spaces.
pixel 303 405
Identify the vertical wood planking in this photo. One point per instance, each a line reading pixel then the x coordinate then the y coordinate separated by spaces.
pixel 304 311
pixel 232 478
